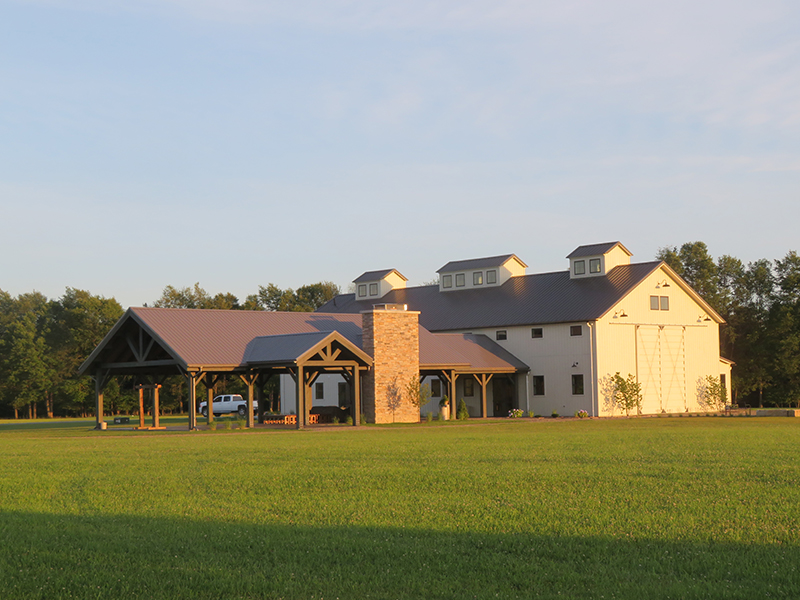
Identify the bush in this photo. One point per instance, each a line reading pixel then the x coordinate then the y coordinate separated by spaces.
pixel 531 415
pixel 349 420
pixel 429 416
pixel 515 413
pixel 228 425
pixel 462 413
pixel 335 420
pixel 554 414
pixel 241 423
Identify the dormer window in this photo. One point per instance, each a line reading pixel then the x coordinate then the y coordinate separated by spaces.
pixel 460 280
pixel 477 278
pixel 594 265
pixel 447 281
pixel 491 277
pixel 373 289
pixel 362 290
pixel 580 267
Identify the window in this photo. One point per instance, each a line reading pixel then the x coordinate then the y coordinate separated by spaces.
pixel 477 278
pixel 501 335
pixel 491 277
pixel 469 387
pixel 659 302
pixel 319 391
pixel 575 330
pixel 538 385
pixel 460 282
pixel 362 289
pixel 577 385
pixel 594 265
pixel 447 281
pixel 436 388
pixel 373 289
pixel 537 332
pixel 580 267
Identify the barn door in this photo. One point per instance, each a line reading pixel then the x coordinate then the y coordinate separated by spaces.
pixel 661 367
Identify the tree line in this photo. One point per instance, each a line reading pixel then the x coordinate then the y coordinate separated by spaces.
pixel 43 342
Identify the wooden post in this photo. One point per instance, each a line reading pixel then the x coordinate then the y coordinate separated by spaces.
pixel 210 405
pixel 300 385
pixel 250 381
pixel 141 406
pixel 453 378
pixel 356 395
pixel 156 408
pixel 192 379
pixel 98 399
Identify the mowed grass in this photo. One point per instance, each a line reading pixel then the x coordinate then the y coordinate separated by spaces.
pixel 639 508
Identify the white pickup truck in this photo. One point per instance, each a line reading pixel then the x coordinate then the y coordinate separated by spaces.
pixel 228 403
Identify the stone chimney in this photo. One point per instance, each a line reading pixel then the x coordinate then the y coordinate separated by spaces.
pixel 390 334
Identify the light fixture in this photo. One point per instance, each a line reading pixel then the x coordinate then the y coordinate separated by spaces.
pixel 707 318
pixel 575 364
pixel 661 284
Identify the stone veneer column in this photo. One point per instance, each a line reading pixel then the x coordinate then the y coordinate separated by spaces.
pixel 391 337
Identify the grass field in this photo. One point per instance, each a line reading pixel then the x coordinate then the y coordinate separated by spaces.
pixel 640 508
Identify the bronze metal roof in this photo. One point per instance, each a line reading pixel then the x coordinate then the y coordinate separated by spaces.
pixel 231 339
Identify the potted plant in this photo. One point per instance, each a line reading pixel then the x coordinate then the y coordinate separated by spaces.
pixel 444 408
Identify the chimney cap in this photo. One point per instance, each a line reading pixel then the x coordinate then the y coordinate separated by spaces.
pixel 389 306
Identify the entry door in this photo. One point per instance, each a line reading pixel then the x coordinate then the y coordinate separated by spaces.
pixel 503 396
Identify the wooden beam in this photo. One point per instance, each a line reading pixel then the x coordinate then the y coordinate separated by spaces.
pixel 146 363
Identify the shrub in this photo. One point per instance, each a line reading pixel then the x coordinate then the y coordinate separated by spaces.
pixel 429 416
pixel 349 420
pixel 363 418
pixel 228 425
pixel 241 423
pixel 554 414
pixel 462 413
pixel 581 414
pixel 531 415
pixel 335 420
pixel 515 413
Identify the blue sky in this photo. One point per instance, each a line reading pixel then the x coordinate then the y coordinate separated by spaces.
pixel 236 143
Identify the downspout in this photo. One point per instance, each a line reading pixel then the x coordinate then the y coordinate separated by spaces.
pixel 592 368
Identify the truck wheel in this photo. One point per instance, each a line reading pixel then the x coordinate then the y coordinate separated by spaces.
pixel 204 411
pixel 242 411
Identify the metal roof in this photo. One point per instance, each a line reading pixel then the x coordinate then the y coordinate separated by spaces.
pixel 597 249
pixel 479 263
pixel 235 338
pixel 524 300
pixel 378 275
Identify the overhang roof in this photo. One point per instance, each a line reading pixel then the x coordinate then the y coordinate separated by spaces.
pixel 525 300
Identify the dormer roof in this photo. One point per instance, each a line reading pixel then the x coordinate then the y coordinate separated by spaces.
pixel 378 275
pixel 597 249
pixel 480 263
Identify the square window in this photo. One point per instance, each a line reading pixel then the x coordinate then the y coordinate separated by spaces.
pixel 460 281
pixel 537 332
pixel 594 265
pixel 501 335
pixel 362 289
pixel 538 385
pixel 580 267
pixel 654 303
pixel 664 302
pixel 447 281
pixel 319 391
pixel 477 278
pixel 575 330
pixel 491 277
pixel 436 388
pixel 373 289
pixel 577 385
pixel 469 387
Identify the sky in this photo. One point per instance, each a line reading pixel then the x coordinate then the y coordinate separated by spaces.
pixel 236 143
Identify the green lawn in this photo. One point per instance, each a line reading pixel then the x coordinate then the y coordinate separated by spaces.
pixel 640 508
